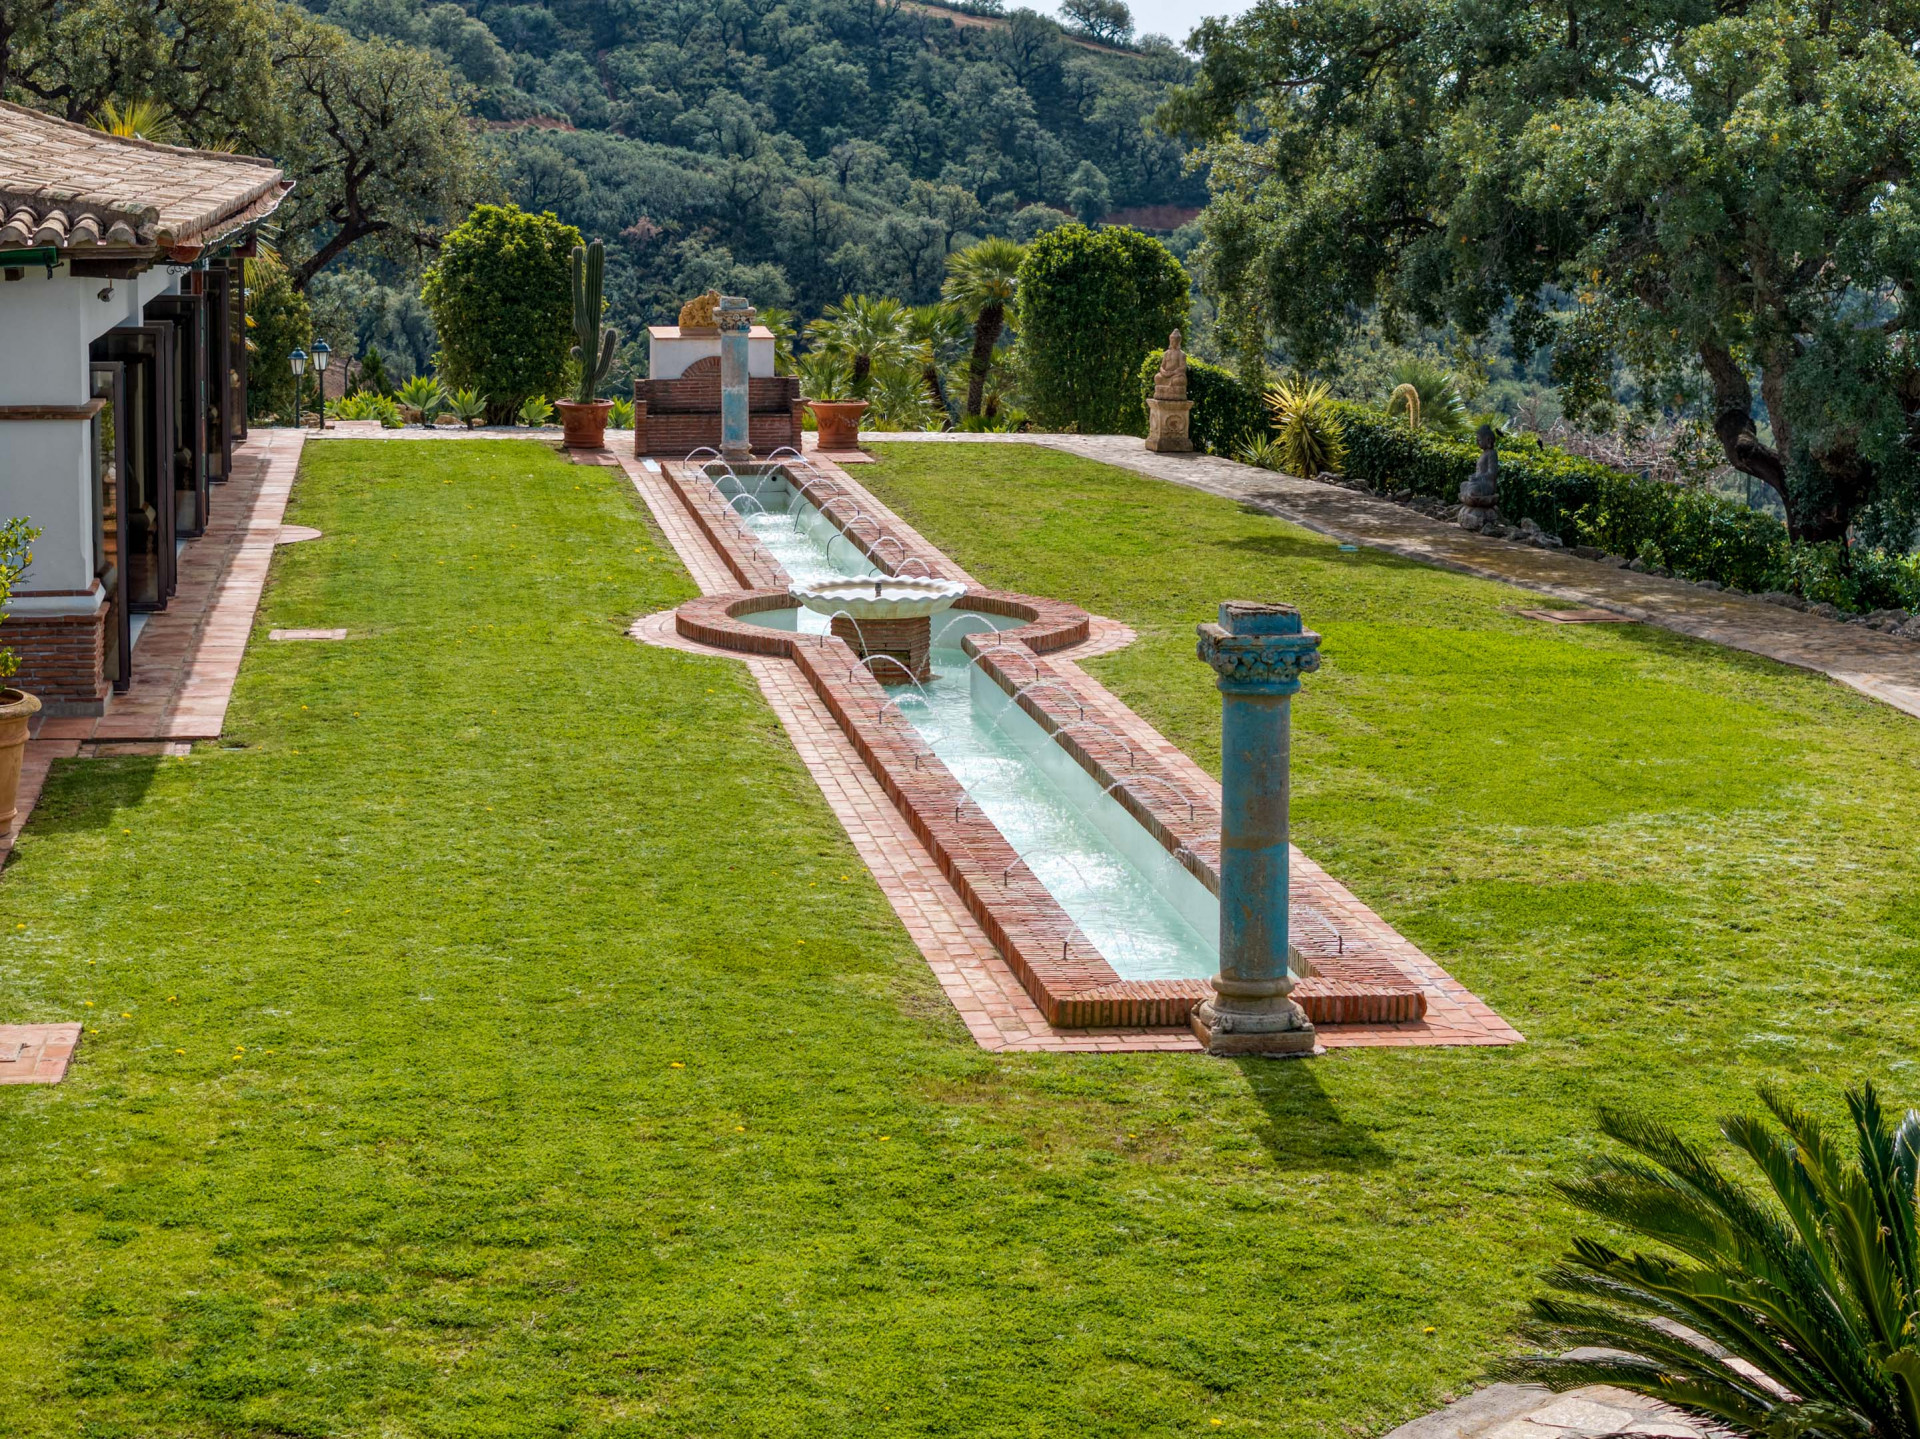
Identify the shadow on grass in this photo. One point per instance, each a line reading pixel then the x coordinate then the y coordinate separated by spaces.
pixel 86 794
pixel 1303 1127
pixel 1317 548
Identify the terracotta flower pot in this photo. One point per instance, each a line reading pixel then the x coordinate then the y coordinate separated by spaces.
pixel 839 422
pixel 584 427
pixel 17 707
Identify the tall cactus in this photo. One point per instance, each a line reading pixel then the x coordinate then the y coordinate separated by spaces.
pixel 595 350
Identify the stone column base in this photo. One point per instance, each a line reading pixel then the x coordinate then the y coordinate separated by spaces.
pixel 1167 426
pixel 1282 1031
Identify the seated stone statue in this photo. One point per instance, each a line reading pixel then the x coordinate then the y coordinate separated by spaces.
pixel 1170 383
pixel 1480 494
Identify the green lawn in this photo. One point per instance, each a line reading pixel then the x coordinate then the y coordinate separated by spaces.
pixel 551 1066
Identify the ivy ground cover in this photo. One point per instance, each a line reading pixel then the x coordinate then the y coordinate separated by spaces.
pixel 496 1034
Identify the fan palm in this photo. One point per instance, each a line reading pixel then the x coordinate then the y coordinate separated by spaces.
pixel 900 400
pixel 1431 396
pixel 863 331
pixel 139 120
pixel 983 281
pixel 1803 1311
pixel 780 322
pixel 936 334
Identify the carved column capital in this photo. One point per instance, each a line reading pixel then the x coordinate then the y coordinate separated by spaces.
pixel 1259 649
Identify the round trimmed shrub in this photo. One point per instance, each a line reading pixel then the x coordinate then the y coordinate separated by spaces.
pixel 501 296
pixel 1092 303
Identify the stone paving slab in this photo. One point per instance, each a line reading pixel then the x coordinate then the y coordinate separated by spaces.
pixel 36 1053
pixel 1881 666
pixel 1527 1411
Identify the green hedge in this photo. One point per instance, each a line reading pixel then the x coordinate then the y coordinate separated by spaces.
pixel 1225 411
pixel 1694 533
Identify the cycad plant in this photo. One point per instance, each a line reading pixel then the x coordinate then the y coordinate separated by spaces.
pixel 468 405
pixel 422 393
pixel 1430 395
pixel 983 282
pixel 594 353
pixel 864 332
pixel 1307 433
pixel 1794 1313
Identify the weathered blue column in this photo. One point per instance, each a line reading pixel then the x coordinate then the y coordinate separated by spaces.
pixel 734 317
pixel 1259 652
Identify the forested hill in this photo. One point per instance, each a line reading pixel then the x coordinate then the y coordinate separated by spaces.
pixel 796 150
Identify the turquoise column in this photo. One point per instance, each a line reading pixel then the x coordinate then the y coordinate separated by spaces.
pixel 1259 653
pixel 734 317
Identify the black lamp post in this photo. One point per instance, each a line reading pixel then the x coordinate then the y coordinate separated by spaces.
pixel 298 359
pixel 322 352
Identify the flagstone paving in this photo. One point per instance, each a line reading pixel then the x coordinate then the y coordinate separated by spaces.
pixel 1879 665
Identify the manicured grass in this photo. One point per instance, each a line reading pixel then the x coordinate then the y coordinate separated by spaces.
pixel 551 1066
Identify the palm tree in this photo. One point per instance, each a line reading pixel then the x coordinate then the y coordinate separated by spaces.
pixel 983 281
pixel 936 334
pixel 139 120
pixel 1799 1316
pixel 780 322
pixel 864 332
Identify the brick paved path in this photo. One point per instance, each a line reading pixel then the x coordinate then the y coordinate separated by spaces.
pixel 1879 665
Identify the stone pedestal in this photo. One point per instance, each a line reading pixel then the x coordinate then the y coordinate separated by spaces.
pixel 908 643
pixel 1167 426
pixel 1259 652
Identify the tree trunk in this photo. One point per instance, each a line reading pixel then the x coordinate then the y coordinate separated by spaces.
pixel 986 334
pixel 1733 423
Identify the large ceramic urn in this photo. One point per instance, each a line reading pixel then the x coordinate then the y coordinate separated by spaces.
pixel 17 709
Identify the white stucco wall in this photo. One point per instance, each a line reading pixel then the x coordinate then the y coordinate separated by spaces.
pixel 46 472
pixel 669 352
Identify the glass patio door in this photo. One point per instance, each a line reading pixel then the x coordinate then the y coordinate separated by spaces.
pixel 188 315
pixel 109 431
pixel 146 357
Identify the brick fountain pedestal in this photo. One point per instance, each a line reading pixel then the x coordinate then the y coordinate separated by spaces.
pixel 887 621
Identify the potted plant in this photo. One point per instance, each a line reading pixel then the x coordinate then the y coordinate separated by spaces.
pixel 17 707
pixel 836 417
pixel 584 421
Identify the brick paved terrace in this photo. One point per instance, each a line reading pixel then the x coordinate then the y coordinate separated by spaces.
pixel 501 1028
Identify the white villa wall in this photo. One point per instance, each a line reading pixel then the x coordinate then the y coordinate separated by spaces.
pixel 669 352
pixel 46 472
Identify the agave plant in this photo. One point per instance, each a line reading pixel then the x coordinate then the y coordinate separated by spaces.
pixel 621 415
pixel 422 393
pixel 1307 433
pixel 1797 1315
pixel 468 406
pixel 535 411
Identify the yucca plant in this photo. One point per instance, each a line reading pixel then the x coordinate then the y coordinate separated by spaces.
pixel 1307 432
pixel 1803 1306
pixel 1261 452
pixel 535 411
pixel 422 393
pixel 468 406
pixel 621 415
pixel 139 120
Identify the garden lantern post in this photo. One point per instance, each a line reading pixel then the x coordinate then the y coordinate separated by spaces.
pixel 1259 652
pixel 734 317
pixel 322 352
pixel 298 360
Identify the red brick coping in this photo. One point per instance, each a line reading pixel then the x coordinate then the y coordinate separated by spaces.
pixel 1071 982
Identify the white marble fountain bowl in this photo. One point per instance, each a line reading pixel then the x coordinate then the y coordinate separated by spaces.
pixel 904 598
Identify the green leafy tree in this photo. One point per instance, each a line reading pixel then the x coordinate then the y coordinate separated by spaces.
pixel 501 296
pixel 1805 1300
pixel 983 280
pixel 373 373
pixel 379 141
pixel 1092 303
pixel 278 321
pixel 1724 194
pixel 1108 21
pixel 862 331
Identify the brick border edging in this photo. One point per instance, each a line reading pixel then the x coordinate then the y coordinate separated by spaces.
pixel 1073 989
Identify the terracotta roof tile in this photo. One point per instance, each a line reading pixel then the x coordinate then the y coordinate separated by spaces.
pixel 67 185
